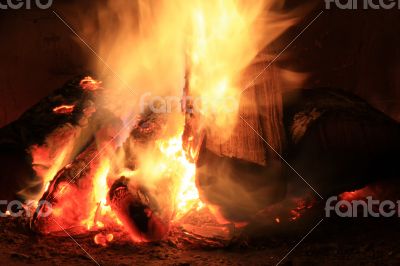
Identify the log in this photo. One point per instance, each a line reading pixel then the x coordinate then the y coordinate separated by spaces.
pixel 336 141
pixel 68 194
pixel 339 142
pixel 49 135
pixel 261 107
pixel 138 211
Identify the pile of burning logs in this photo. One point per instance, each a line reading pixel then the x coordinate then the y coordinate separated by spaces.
pixel 336 141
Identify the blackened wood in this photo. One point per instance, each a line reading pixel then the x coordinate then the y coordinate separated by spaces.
pixel 339 142
pixel 41 134
pixel 138 211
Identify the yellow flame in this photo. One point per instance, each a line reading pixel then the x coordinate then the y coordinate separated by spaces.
pixel 222 41
pixel 99 196
pixel 186 193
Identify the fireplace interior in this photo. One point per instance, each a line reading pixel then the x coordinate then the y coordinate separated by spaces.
pixel 99 173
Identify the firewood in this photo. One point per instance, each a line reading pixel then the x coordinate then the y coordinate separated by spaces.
pixel 50 134
pixel 147 128
pixel 68 192
pixel 138 211
pixel 51 112
pixel 337 142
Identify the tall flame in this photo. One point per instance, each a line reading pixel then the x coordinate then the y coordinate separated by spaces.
pixel 222 41
pixel 152 44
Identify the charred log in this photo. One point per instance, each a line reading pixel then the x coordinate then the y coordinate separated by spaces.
pixel 43 118
pixel 58 127
pixel 68 192
pixel 138 211
pixel 336 141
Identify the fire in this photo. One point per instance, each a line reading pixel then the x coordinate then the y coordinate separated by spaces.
pixel 98 201
pixel 46 162
pixel 222 41
pixel 212 42
pixel 186 196
pixel 64 109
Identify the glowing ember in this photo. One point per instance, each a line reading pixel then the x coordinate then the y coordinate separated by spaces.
pixel 103 239
pixel 64 109
pixel 88 83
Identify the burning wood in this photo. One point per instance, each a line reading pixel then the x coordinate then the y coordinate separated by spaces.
pixel 138 211
pixel 52 132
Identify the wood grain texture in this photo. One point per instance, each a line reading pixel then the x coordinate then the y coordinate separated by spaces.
pixel 261 108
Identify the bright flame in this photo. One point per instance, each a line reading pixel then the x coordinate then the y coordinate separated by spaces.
pixel 100 212
pixel 152 44
pixel 187 195
pixel 222 41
